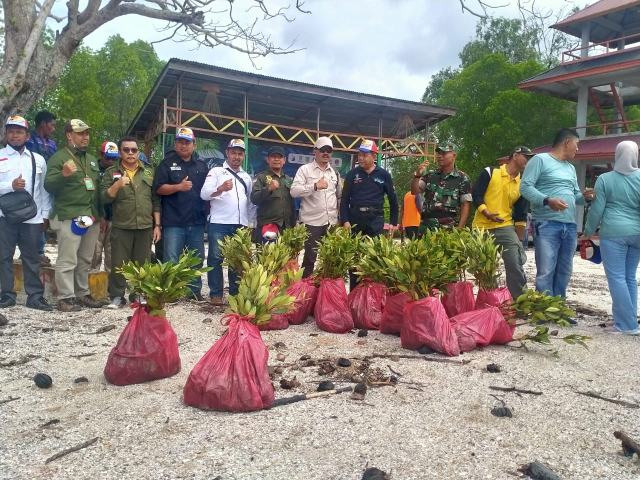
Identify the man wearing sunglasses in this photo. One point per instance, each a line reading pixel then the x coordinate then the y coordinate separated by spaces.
pixel 319 188
pixel 128 187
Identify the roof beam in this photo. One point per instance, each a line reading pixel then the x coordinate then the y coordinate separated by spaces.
pixel 610 24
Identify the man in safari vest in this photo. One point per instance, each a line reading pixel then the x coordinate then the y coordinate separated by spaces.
pixel 72 180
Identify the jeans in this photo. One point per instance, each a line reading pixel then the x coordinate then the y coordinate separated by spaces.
pixel 219 231
pixel 555 245
pixel 179 239
pixel 620 257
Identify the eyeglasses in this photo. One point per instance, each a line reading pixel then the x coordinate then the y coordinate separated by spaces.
pixel 326 150
pixel 129 150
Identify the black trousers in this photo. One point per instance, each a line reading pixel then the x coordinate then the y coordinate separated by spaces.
pixel 27 237
pixel 311 248
pixel 369 225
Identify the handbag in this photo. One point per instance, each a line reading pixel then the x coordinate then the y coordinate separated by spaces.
pixel 18 207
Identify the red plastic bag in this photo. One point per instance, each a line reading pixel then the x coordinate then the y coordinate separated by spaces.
pixel 392 315
pixel 305 293
pixel 366 303
pixel 492 298
pixel 279 321
pixel 232 376
pixel 426 323
pixel 331 311
pixel 459 298
pixel 146 350
pixel 478 327
pixel 495 298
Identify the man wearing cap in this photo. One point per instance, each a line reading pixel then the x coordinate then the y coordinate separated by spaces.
pixel 40 142
pixel 271 194
pixel 319 188
pixel 127 187
pixel 22 170
pixel 108 155
pixel 73 177
pixel 501 210
pixel 228 190
pixel 178 181
pixel 447 191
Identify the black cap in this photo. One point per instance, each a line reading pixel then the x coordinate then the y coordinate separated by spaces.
pixel 524 151
pixel 275 151
pixel 447 147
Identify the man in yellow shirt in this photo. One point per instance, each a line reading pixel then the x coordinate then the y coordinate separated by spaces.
pixel 502 211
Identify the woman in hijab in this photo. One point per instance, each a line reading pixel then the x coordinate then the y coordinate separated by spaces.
pixel 616 209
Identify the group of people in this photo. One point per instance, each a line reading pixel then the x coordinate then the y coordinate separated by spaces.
pixel 121 205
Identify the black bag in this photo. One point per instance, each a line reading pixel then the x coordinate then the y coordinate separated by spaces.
pixel 18 207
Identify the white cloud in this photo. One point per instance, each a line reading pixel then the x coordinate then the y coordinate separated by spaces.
pixel 386 47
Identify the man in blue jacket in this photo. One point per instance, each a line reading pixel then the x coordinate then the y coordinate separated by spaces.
pixel 178 181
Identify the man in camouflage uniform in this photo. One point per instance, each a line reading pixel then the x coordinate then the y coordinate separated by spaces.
pixel 447 191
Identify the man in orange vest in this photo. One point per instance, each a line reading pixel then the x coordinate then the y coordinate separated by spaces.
pixel 411 207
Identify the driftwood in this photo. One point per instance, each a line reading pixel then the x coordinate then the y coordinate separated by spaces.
pixel 10 399
pixel 82 355
pixel 514 389
pixel 298 398
pixel 624 403
pixel 629 445
pixel 67 451
pixel 392 356
pixel 21 361
pixel 104 329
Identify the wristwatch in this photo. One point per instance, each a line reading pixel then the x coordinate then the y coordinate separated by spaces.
pixel 545 202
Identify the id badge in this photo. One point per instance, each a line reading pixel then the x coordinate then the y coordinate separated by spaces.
pixel 88 184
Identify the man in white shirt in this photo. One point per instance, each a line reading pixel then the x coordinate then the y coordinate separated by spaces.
pixel 17 174
pixel 228 189
pixel 319 187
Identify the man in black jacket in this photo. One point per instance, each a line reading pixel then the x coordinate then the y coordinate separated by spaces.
pixel 178 181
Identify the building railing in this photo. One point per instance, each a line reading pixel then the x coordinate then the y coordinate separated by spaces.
pixel 214 123
pixel 610 128
pixel 603 48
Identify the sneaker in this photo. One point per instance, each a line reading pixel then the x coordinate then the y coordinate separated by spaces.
pixel 68 305
pixel 89 301
pixel 6 301
pixel 614 330
pixel 116 302
pixel 216 301
pixel 40 304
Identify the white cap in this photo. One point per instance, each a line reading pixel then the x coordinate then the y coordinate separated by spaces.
pixel 236 143
pixel 323 142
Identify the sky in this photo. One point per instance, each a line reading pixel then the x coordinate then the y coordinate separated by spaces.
pixel 384 47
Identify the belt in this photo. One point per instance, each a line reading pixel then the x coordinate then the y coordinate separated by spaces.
pixel 368 210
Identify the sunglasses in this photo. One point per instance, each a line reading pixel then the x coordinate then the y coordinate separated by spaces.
pixel 326 150
pixel 129 150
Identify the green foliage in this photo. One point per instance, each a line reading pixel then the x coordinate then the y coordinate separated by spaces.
pixel 272 256
pixel 537 307
pixel 421 266
pixel 483 259
pixel 294 238
pixel 507 36
pixel 402 170
pixel 454 246
pixel 542 335
pixel 375 260
pixel 257 296
pixel 162 283
pixel 336 253
pixel 237 249
pixel 105 88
